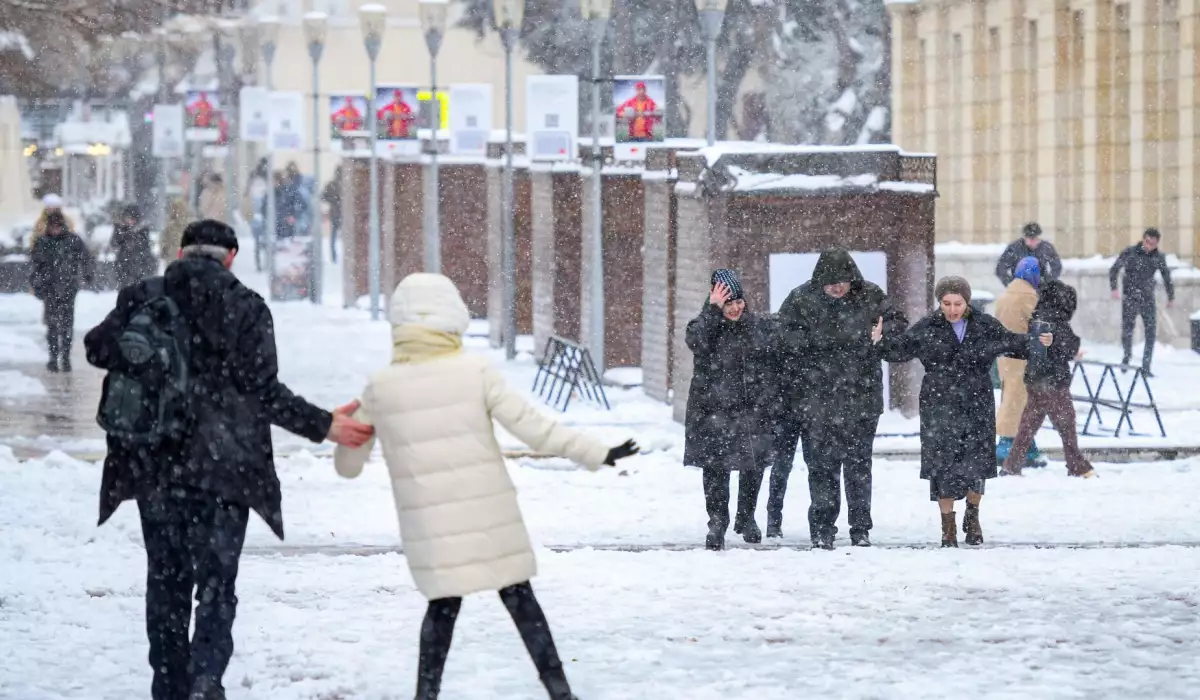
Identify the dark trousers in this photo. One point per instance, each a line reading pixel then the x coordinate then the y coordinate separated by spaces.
pixel 716 495
pixel 59 314
pixel 790 433
pixel 193 543
pixel 1132 306
pixel 333 234
pixel 1057 404
pixel 437 632
pixel 837 451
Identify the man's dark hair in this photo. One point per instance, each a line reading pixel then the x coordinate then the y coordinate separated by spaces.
pixel 1152 233
pixel 1031 230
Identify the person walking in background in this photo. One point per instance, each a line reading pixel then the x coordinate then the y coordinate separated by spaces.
pixel 212 204
pixel 291 207
pixel 51 204
pixel 957 347
pixel 433 409
pixel 1048 378
pixel 131 246
pixel 1014 309
pixel 332 196
pixel 1029 244
pixel 61 266
pixel 1140 262
pixel 194 492
pixel 171 238
pixel 733 406
pixel 831 330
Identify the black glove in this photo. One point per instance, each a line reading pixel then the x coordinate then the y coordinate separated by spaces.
pixel 625 449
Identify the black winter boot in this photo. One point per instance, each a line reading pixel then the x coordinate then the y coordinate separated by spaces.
pixel 971 526
pixel 557 686
pixel 715 541
pixel 751 534
pixel 207 688
pixel 859 538
pixel 823 540
pixel 949 530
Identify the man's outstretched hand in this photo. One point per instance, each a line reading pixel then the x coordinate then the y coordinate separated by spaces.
pixel 626 449
pixel 346 431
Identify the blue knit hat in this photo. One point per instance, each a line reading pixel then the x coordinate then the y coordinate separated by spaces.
pixel 1030 270
pixel 730 278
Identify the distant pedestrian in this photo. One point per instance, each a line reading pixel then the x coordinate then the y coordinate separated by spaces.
pixel 332 196
pixel 1048 378
pixel 1029 244
pixel 957 347
pixel 832 327
pixel 172 234
pixel 733 406
pixel 213 203
pixel 1014 308
pixel 62 266
pixel 434 410
pixel 51 204
pixel 132 248
pixel 1140 262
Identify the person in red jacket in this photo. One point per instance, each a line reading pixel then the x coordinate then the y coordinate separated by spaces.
pixel 640 113
pixel 396 118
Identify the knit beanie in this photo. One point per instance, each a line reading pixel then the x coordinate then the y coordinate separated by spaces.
pixel 1029 269
pixel 952 285
pixel 1031 230
pixel 730 279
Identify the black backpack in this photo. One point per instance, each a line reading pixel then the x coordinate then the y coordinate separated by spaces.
pixel 145 401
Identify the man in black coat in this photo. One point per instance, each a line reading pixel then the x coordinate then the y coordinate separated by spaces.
pixel 195 495
pixel 61 266
pixel 1029 244
pixel 832 327
pixel 1141 261
pixel 131 245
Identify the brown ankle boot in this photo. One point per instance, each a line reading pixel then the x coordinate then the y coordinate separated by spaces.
pixel 971 526
pixel 949 530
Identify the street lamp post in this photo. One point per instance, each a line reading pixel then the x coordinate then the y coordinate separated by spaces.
pixel 597 12
pixel 372 21
pixel 433 25
pixel 268 28
pixel 512 16
pixel 712 15
pixel 315 26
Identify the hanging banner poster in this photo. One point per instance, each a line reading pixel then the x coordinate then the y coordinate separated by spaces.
pixel 396 112
pixel 255 103
pixel 470 118
pixel 293 262
pixel 168 131
pixel 551 116
pixel 203 120
pixel 348 117
pixel 287 121
pixel 639 107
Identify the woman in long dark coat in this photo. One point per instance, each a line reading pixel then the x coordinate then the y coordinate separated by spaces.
pixel 733 405
pixel 958 407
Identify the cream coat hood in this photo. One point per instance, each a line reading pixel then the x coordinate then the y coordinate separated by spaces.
pixel 430 300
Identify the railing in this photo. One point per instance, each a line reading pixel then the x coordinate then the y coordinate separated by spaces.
pixel 566 370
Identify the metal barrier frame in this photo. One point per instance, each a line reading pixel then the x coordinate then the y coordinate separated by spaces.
pixel 1123 402
pixel 566 368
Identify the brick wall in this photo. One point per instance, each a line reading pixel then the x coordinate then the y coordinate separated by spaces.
pixel 356 196
pixel 522 224
pixel 623 200
pixel 658 278
pixel 464 227
pixel 555 234
pixel 404 245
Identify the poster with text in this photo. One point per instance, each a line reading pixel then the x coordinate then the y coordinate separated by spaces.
pixel 293 264
pixel 255 103
pixel 396 111
pixel 287 121
pixel 470 118
pixel 202 116
pixel 551 116
pixel 639 103
pixel 168 131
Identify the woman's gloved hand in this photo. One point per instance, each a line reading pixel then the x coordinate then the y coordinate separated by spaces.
pixel 625 449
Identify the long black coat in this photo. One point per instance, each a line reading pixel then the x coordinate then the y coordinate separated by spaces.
pixel 734 403
pixel 61 266
pixel 237 396
pixel 833 369
pixel 958 406
pixel 135 258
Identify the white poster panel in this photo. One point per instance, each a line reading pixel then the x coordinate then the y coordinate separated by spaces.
pixel 470 118
pixel 287 121
pixel 551 116
pixel 168 131
pixel 255 114
pixel 790 270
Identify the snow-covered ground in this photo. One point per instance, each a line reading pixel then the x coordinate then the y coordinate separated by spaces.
pixel 1086 589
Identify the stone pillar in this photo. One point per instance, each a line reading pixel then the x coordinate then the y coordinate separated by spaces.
pixel 1170 50
pixel 1123 104
pixel 1189 129
pixel 355 201
pixel 658 273
pixel 905 78
pixel 463 188
pixel 1144 124
pixel 1098 128
pixel 555 243
pixel 403 239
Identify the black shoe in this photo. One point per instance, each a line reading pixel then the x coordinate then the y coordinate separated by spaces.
pixel 739 525
pixel 557 686
pixel 52 366
pixel 207 688
pixel 859 539
pixel 1147 374
pixel 751 534
pixel 66 364
pixel 774 530
pixel 824 541
pixel 715 541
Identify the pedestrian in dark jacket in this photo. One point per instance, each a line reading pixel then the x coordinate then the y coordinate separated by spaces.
pixel 131 246
pixel 832 327
pixel 1140 262
pixel 194 496
pixel 61 266
pixel 291 207
pixel 957 347
pixel 1048 381
pixel 332 196
pixel 1029 244
pixel 733 405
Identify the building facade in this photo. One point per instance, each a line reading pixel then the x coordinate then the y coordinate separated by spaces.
pixel 1078 114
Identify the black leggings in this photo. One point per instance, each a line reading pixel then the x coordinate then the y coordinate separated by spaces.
pixel 437 631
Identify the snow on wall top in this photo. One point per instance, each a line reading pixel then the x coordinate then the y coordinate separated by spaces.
pixel 714 153
pixel 746 181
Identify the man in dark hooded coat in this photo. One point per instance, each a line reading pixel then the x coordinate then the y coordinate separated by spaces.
pixel 832 327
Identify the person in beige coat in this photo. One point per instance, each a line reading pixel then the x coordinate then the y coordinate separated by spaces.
pixel 433 410
pixel 213 202
pixel 1014 309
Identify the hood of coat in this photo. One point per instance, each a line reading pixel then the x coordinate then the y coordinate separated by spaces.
pixel 429 300
pixel 1058 299
pixel 836 266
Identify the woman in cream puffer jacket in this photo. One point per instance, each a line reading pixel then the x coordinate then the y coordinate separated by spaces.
pixel 462 530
